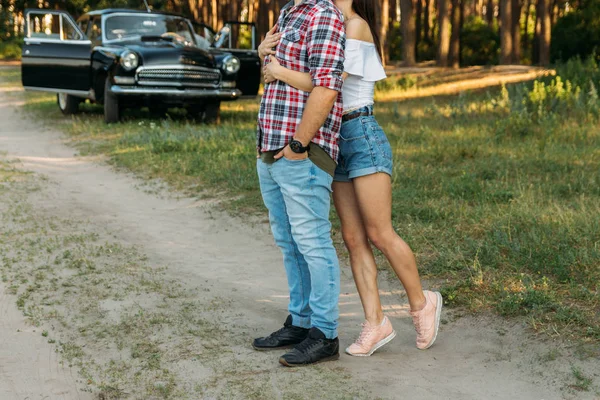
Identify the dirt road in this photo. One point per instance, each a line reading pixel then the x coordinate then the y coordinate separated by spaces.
pixel 238 264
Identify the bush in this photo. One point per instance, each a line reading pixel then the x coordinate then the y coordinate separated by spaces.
pixel 577 34
pixel 572 94
pixel 480 44
pixel 11 50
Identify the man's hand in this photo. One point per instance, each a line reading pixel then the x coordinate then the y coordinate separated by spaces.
pixel 271 40
pixel 290 155
pixel 271 70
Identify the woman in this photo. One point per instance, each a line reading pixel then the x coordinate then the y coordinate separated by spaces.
pixel 362 185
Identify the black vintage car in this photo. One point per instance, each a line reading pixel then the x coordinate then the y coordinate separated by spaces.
pixel 131 58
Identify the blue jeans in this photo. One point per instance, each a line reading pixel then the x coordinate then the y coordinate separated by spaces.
pixel 297 195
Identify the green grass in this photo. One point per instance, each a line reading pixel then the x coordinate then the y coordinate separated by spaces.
pixel 500 221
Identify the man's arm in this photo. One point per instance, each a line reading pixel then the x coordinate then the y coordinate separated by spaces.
pixel 325 41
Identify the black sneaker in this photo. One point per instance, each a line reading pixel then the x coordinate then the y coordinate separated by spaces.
pixel 287 336
pixel 315 349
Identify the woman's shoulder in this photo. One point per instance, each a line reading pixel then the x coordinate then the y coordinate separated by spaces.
pixel 358 29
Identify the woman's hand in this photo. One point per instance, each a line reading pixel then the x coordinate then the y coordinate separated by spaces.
pixel 265 49
pixel 271 70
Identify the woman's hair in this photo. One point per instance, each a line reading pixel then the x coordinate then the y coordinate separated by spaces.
pixel 366 10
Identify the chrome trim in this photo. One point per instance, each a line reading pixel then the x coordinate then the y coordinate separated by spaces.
pixel 35 40
pixel 124 80
pixel 225 94
pixel 77 93
pixel 174 81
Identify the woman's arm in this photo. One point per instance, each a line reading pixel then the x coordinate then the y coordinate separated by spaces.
pixel 274 71
pixel 299 80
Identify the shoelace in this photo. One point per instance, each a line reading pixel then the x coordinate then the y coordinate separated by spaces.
pixel 306 345
pixel 277 332
pixel 367 329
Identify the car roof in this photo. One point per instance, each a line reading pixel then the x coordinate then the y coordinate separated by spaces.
pixel 128 10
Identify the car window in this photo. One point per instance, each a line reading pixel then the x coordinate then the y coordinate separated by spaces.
pixel 44 25
pixel 135 26
pixel 83 24
pixel 69 32
pixel 95 30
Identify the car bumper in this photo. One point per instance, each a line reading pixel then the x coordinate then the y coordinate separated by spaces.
pixel 223 94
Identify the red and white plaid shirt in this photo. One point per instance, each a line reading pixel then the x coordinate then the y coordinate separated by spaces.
pixel 313 40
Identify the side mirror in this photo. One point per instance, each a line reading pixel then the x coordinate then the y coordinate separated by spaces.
pixel 222 36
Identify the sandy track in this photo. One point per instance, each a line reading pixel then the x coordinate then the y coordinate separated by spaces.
pixel 473 358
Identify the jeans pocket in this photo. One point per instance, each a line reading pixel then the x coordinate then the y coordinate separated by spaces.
pixel 352 130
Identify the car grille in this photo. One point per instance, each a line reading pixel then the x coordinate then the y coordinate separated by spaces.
pixel 179 76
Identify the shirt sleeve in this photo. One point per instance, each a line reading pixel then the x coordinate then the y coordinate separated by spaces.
pixel 325 42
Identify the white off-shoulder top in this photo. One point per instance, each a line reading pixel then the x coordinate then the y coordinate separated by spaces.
pixel 364 68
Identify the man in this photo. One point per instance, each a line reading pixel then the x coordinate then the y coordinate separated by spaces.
pixel 297 145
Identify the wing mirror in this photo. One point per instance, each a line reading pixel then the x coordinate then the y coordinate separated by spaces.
pixel 222 37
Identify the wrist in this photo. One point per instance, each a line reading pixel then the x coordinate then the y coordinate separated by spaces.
pixel 304 142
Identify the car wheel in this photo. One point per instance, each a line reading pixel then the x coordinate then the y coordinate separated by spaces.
pixel 68 104
pixel 212 113
pixel 112 111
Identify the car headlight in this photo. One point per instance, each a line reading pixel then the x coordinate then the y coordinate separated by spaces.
pixel 129 60
pixel 231 64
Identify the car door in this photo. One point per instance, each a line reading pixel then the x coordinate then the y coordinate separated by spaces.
pixel 240 38
pixel 56 54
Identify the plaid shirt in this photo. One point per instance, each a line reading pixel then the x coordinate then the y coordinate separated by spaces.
pixel 313 41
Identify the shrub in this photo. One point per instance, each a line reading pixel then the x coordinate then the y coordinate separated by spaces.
pixel 479 43
pixel 577 34
pixel 10 50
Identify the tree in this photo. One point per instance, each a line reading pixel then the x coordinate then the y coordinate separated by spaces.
pixel 545 32
pixel 506 45
pixel 443 33
pixel 409 28
pixel 516 31
pixel 455 36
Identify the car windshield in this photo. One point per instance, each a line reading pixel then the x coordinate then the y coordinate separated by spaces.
pixel 136 26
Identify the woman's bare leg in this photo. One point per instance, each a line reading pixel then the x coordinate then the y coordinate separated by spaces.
pixel 364 269
pixel 373 194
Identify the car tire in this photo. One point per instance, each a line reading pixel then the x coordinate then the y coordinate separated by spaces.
pixel 212 113
pixel 112 111
pixel 68 104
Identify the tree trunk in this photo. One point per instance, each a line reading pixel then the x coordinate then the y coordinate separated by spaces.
pixel 455 36
pixel 428 21
pixel 443 33
pixel 516 31
pixel 545 33
pixel 527 14
pixel 393 15
pixel 385 21
pixel 535 48
pixel 419 22
pixel 408 32
pixel 506 47
pixel 489 12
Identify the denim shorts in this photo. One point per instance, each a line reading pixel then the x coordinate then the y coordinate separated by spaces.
pixel 364 148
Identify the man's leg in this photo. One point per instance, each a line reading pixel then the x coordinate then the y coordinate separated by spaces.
pixel 295 266
pixel 306 190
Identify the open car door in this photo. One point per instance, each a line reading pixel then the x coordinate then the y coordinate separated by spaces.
pixel 56 54
pixel 240 39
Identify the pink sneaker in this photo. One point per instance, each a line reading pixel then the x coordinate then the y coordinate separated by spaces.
pixel 372 338
pixel 427 320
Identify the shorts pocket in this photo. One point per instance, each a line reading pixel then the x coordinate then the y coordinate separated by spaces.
pixel 352 130
pixel 378 138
